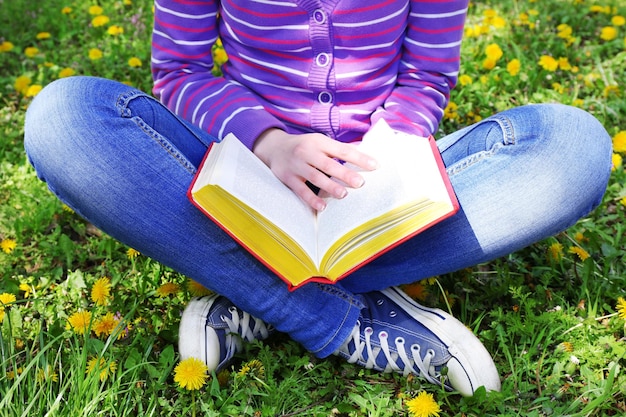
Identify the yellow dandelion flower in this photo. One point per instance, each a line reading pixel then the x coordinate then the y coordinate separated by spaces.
pixel 417 290
pixel 565 347
pixel 67 209
pixel 43 35
pixel 564 64
pixel 450 112
pixel 6 46
pixel 608 33
pixel 564 31
pixel 95 10
pixel 190 374
pixel 101 366
pixel 253 368
pixel 6 299
pixel 424 405
pixel 104 326
pixel 8 245
pixel 622 201
pixel 196 289
pixel 168 288
pixel 80 321
pixel 513 67
pixel 469 32
pixel 621 308
pixel 26 289
pixel 493 51
pixel 618 20
pixel 66 10
pixel 100 20
pixel 555 252
pixel 490 13
pixel 132 253
pixel 66 72
pixel 578 102
pixel 558 87
pixel 219 56
pixel 580 252
pixel 619 142
pixel 580 237
pixel 465 80
pixel 548 63
pixel 610 90
pixel 101 291
pixel 47 374
pixel 616 161
pixel 135 62
pixel 95 54
pixel 498 22
pixel 31 51
pixel 115 30
pixel 33 90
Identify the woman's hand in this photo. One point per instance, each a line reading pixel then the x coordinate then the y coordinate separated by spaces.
pixel 312 157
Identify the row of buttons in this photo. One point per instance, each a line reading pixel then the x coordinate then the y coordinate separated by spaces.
pixel 322 59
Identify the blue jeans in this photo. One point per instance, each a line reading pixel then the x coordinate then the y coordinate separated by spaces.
pixel 123 161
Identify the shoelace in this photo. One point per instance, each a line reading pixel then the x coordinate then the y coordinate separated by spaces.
pixel 410 363
pixel 241 326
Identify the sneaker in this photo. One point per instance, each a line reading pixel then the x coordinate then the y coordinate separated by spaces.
pixel 395 334
pixel 212 329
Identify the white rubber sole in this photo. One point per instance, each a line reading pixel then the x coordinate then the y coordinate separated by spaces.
pixel 195 338
pixel 472 366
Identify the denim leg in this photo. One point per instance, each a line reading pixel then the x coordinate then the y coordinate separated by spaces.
pixel 124 162
pixel 520 176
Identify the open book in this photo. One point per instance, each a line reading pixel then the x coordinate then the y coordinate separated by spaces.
pixel 407 193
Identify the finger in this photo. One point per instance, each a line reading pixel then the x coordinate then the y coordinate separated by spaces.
pixel 349 153
pixel 303 191
pixel 324 183
pixel 331 167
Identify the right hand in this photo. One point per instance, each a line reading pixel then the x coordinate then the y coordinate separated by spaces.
pixel 312 157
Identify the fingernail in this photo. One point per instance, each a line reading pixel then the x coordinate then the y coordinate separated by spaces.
pixel 320 206
pixel 358 182
pixel 372 163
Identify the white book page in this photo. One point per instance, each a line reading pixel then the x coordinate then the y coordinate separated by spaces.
pixel 252 182
pixel 402 176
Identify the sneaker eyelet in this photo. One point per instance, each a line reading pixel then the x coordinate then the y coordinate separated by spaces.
pixel 383 335
pixel 392 314
pixel 368 330
pixel 399 340
pixel 380 301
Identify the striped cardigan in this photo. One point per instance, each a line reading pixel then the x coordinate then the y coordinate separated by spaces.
pixel 329 66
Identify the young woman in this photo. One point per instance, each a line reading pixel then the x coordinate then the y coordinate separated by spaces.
pixel 305 79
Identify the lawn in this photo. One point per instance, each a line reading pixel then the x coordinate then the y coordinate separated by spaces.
pixel 89 326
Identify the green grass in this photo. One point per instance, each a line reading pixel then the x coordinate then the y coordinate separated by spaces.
pixel 550 321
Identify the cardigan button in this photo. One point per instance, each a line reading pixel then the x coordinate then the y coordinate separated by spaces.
pixel 325 97
pixel 322 59
pixel 319 16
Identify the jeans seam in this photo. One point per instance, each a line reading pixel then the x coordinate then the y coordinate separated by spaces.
pixel 508 138
pixel 122 104
pixel 352 301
